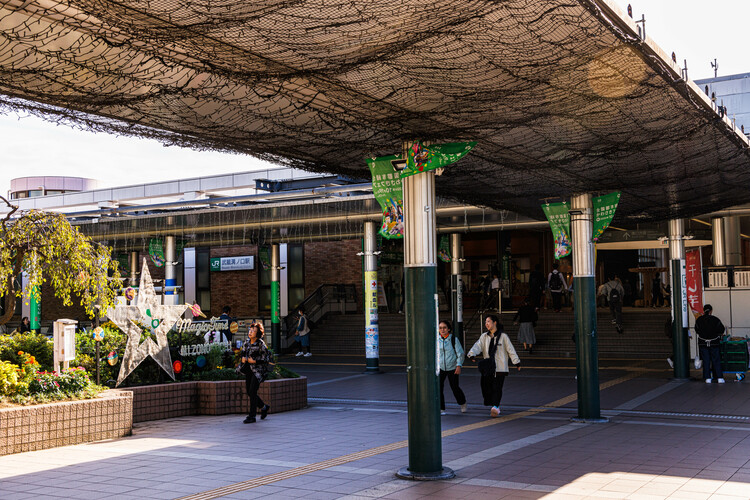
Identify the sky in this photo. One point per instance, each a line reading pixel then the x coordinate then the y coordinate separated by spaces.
pixel 698 32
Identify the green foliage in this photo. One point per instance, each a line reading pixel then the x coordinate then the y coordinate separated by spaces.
pixel 49 249
pixel 114 340
pixel 35 344
pixel 9 378
pixel 214 357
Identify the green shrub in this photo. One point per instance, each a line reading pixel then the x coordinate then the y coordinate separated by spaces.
pixel 9 378
pixel 35 344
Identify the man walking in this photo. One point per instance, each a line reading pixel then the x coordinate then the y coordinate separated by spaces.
pixel 556 285
pixel 614 292
pixel 709 330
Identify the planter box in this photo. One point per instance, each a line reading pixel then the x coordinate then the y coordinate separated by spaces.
pixel 29 428
pixel 180 399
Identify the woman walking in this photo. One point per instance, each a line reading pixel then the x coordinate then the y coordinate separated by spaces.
pixel 451 358
pixel 255 361
pixel 527 316
pixel 495 348
pixel 302 334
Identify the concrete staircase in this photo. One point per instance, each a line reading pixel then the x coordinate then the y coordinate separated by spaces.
pixel 643 337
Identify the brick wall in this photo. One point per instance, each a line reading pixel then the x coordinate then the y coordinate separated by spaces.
pixel 53 308
pixel 333 262
pixel 51 425
pixel 236 289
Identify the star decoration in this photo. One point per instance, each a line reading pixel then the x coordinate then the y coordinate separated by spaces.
pixel 158 320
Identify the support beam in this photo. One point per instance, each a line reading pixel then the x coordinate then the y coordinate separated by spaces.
pixel 717 237
pixel 457 301
pixel 275 298
pixel 680 346
pixel 421 307
pixel 584 292
pixel 133 269
pixel 372 330
pixel 732 242
pixel 170 270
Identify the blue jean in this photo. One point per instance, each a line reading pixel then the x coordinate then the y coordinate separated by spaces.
pixel 711 357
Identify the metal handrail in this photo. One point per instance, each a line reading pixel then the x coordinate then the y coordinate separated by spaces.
pixel 320 303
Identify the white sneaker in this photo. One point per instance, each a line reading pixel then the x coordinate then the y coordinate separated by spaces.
pixel 670 362
pixel 463 408
pixel 708 380
pixel 495 412
pixel 442 412
pixel 721 381
pixel 308 354
pixel 698 363
pixel 300 354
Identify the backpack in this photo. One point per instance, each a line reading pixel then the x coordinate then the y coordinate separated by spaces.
pixel 454 343
pixel 555 281
pixel 614 295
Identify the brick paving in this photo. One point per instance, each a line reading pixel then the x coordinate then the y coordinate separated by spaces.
pixel 665 439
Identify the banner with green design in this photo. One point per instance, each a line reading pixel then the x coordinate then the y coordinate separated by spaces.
pixel 559 221
pixel 156 252
pixel 604 211
pixel 444 250
pixel 386 187
pixel 421 158
pixel 275 302
pixel 264 256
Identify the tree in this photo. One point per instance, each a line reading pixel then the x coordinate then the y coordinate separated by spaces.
pixel 49 249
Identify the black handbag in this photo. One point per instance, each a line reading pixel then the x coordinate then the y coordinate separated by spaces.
pixel 246 369
pixel 487 366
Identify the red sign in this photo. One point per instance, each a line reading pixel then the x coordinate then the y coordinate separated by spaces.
pixel 694 280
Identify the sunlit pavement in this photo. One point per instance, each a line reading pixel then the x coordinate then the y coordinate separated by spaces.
pixel 665 439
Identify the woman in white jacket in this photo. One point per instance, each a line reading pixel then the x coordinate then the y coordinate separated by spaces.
pixel 494 341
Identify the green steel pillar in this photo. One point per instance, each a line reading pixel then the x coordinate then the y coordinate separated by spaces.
pixel 680 346
pixel 457 300
pixel 421 309
pixel 275 298
pixel 372 330
pixel 35 311
pixel 584 293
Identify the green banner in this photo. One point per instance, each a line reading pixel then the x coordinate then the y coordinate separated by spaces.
pixel 604 211
pixel 421 158
pixel 156 252
pixel 386 187
pixel 444 250
pixel 264 256
pixel 559 221
pixel 275 302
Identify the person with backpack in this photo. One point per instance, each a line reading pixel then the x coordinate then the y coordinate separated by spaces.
pixel 451 358
pixel 556 285
pixel 614 292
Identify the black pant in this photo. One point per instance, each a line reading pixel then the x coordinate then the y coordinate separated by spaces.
pixel 251 386
pixel 556 300
pixel 492 388
pixel 711 357
pixel 615 307
pixel 453 381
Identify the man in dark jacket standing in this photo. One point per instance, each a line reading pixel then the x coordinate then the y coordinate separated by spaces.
pixel 709 330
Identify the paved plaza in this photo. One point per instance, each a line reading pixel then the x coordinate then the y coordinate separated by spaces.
pixel 665 439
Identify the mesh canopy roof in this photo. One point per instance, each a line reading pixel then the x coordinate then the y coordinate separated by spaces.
pixel 562 96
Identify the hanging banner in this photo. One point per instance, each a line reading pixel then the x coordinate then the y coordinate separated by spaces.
pixel 604 211
pixel 444 250
pixel 421 158
pixel 264 256
pixel 559 221
pixel 156 252
pixel 372 334
pixel 694 281
pixel 386 187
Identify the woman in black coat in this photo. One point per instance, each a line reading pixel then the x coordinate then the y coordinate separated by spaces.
pixel 255 362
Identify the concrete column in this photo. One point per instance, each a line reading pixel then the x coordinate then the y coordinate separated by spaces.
pixel 372 330
pixel 680 345
pixel 732 242
pixel 170 270
pixel 719 244
pixel 134 269
pixel 457 301
pixel 189 276
pixel 584 293
pixel 421 308
pixel 275 298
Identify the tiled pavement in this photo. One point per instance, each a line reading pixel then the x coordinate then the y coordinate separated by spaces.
pixel 665 439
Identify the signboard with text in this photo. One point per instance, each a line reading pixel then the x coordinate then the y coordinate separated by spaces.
pixel 242 263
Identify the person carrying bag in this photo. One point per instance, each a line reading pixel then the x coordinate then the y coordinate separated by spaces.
pixel 255 365
pixel 495 347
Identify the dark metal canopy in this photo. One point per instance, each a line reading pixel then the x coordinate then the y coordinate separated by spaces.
pixel 563 96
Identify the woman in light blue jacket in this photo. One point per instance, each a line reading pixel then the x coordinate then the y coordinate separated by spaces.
pixel 451 358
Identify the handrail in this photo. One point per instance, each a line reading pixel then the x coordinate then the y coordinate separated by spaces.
pixel 325 299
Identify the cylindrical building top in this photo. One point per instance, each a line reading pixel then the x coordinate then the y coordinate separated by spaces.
pixel 30 187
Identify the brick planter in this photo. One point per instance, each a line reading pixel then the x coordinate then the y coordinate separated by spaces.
pixel 29 428
pixel 156 402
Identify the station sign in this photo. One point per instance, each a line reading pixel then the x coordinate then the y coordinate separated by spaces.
pixel 242 263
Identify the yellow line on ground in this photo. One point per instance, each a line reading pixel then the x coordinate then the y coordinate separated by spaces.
pixel 352 457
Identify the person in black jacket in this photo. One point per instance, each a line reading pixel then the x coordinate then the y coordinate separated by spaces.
pixel 256 358
pixel 709 330
pixel 527 316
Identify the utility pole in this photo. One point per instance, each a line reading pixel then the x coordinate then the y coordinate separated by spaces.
pixel 715 66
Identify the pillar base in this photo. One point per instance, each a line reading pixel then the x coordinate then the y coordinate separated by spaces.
pixel 581 420
pixel 373 371
pixel 444 473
